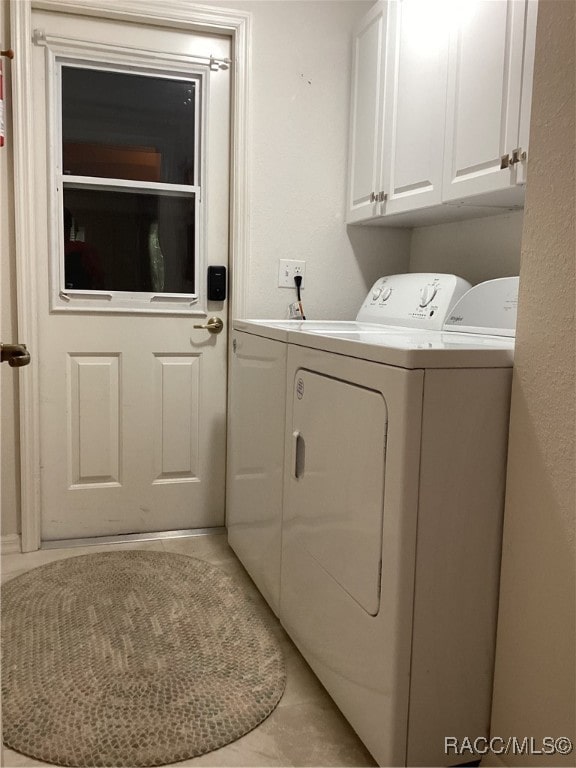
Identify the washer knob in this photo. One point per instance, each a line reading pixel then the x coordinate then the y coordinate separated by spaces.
pixel 386 293
pixel 427 294
pixel 376 293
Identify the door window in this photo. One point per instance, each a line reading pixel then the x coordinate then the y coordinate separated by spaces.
pixel 128 189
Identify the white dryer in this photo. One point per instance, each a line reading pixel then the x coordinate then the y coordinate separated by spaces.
pixel 394 459
pixel 256 412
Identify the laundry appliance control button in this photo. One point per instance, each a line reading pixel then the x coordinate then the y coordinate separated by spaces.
pixel 427 294
pixel 386 293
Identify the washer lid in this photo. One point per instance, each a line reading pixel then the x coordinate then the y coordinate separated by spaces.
pixel 488 308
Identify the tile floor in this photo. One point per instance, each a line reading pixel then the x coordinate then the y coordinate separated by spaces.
pixel 306 728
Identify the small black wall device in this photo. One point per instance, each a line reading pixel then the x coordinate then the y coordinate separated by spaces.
pixel 216 283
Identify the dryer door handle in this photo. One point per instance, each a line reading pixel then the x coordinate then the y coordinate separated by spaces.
pixel 299 453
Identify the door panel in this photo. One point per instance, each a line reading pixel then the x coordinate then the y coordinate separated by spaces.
pixel 339 460
pixel 177 399
pixel 94 420
pixel 132 416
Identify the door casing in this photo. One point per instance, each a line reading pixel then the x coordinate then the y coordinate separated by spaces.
pixel 235 24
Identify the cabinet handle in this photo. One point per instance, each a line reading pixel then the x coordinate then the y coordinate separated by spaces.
pixel 517 156
pixel 372 197
pixel 504 162
pixel 382 197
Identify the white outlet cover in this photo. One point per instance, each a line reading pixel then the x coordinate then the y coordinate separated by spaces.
pixel 287 269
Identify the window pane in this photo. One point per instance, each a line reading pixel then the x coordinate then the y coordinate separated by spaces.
pixel 127 126
pixel 127 241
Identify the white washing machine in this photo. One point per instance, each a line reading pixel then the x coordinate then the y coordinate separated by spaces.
pixel 380 551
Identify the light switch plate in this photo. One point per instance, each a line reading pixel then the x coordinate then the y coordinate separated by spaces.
pixel 287 270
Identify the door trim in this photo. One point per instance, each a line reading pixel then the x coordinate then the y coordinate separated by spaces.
pixel 180 14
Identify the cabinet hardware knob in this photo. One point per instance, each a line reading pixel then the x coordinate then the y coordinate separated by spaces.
pixel 504 162
pixel 518 155
pixel 515 156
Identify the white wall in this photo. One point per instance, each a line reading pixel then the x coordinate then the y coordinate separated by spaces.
pixel 535 682
pixel 477 250
pixel 301 60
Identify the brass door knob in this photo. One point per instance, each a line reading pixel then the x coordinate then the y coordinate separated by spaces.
pixel 214 325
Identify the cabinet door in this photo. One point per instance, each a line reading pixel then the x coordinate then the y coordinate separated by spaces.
pixel 366 116
pixel 484 91
pixel 414 107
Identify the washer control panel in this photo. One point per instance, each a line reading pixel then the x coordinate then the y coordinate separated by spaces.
pixel 416 300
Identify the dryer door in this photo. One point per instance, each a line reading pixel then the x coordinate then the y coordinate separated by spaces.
pixel 338 460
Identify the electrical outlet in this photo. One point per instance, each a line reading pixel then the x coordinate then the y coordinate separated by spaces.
pixel 287 270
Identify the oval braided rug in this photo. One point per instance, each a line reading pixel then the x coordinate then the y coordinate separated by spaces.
pixel 132 658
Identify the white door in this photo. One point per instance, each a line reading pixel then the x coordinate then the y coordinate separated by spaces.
pixel 369 43
pixel 132 138
pixel 484 91
pixel 414 106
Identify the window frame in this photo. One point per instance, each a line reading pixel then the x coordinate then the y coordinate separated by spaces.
pixel 110 301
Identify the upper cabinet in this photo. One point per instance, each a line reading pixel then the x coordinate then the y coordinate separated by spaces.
pixel 414 106
pixel 485 66
pixel 447 129
pixel 366 122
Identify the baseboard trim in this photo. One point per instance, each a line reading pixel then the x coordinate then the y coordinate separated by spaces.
pixel 10 544
pixel 128 538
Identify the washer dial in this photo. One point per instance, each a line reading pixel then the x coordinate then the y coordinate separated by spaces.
pixel 427 294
